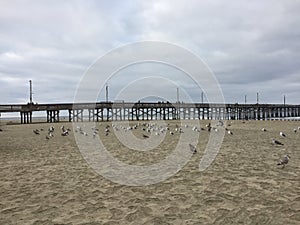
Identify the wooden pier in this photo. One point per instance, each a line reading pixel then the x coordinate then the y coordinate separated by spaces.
pixel 117 111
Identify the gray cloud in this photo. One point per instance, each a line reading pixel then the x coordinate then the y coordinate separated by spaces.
pixel 251 46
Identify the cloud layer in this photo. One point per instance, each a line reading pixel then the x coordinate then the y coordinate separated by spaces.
pixel 251 46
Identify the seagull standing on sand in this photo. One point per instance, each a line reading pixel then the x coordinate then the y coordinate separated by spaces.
pixel 145 136
pixel 282 134
pixel 229 132
pixel 193 148
pixel 275 142
pixel 284 161
pixel 295 130
pixel 264 129
pixel 208 127
pixel 36 131
pixel 94 133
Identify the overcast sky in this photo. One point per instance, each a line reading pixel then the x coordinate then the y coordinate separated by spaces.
pixel 250 46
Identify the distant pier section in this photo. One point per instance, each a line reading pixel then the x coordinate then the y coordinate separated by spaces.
pixel 118 111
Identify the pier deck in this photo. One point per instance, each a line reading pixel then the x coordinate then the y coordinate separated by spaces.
pixel 106 111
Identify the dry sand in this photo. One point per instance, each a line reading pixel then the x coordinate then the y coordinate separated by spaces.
pixel 48 182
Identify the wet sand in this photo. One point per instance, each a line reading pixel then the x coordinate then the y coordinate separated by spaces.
pixel 48 181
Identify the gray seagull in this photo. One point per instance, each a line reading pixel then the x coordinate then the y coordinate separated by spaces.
pixel 275 142
pixel 284 161
pixel 193 148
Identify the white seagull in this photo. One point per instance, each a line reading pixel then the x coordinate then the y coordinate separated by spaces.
pixel 282 134
pixel 295 130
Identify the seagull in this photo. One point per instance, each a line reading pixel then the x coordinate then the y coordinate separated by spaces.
pixel 65 133
pixel 172 133
pixel 220 123
pixel 264 129
pixel 295 130
pixel 36 131
pixel 95 133
pixel 193 148
pixel 145 136
pixel 229 132
pixel 282 134
pixel 284 161
pixel 276 142
pixel 51 129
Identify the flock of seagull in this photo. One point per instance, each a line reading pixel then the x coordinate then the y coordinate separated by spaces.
pixel 149 128
pixel 50 132
pixel 285 160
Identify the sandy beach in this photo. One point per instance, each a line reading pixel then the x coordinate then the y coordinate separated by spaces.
pixel 48 181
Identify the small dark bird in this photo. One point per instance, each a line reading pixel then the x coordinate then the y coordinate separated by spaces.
pixel 145 136
pixel 284 161
pixel 36 132
pixel 192 148
pixel 275 142
pixel 47 138
pixel 208 127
